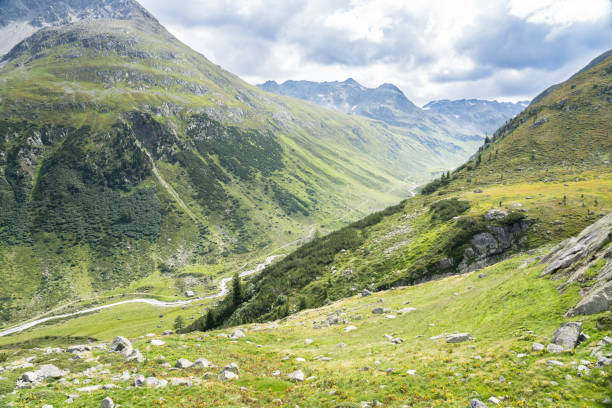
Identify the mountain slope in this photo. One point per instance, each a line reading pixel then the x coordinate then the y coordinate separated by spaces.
pixel 123 153
pixel 544 177
pixel 460 120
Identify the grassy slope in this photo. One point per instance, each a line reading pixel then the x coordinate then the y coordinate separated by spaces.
pixel 506 312
pixel 343 167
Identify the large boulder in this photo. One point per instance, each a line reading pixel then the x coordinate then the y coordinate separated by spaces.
pixel 568 335
pixel 183 363
pixel 136 356
pixel 495 214
pixel 121 345
pixel 229 372
pixel 237 334
pixel 598 301
pixel 477 404
pixel 458 337
pixel 107 403
pixel 297 376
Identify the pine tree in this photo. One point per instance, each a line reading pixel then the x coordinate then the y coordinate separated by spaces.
pixel 179 323
pixel 210 320
pixel 237 292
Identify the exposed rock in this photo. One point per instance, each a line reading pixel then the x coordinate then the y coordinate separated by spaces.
pixel 297 376
pixel 555 348
pixel 107 403
pixel 121 345
pixel 348 329
pixel 597 301
pixel 181 382
pixel 229 372
pixel 568 335
pixel 537 347
pixel 378 310
pixel 167 332
pixel 183 363
pixel 554 363
pixel 189 293
pixel 494 215
pixel 477 404
pixel 139 380
pixel 458 337
pixel 136 356
pixel 365 293
pixel 80 348
pixel 407 310
pixel 49 371
pixel 494 400
pixel 237 334
pixel 156 342
pixel 201 363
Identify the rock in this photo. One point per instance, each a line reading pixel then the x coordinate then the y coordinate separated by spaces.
pixel 554 363
pixel 136 356
pixel 229 372
pixel 300 360
pixel 597 301
pixel 183 363
pixel 555 348
pixel 157 342
pixel 201 363
pixel 341 345
pixel 121 345
pixel 411 372
pixel 365 293
pixel 378 310
pixel 139 380
pixel 568 335
pixel 49 371
pixel 308 342
pixel 151 382
pixel 237 334
pixel 189 293
pixel 477 404
pixel 458 337
pixel 29 376
pixel 494 215
pixel 478 191
pixel 78 348
pixel 181 382
pixel 494 400
pixel 348 329
pixel 481 276
pixel 107 403
pixel 537 347
pixel 233 367
pixel 407 310
pixel 167 332
pixel 330 321
pixel 297 376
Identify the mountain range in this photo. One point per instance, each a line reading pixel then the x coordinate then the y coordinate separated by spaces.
pixel 459 119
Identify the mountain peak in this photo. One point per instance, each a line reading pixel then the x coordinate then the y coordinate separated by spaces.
pixel 21 18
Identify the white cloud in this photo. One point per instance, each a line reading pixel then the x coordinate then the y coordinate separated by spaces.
pixel 431 49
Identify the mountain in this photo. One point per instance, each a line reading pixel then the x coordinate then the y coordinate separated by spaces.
pixel 21 18
pixel 458 119
pixel 127 156
pixel 476 115
pixel 544 176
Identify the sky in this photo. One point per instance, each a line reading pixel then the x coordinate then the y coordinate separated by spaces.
pixel 507 50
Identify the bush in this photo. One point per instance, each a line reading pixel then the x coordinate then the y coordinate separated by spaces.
pixel 444 210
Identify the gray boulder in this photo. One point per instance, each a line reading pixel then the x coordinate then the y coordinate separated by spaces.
pixel 537 347
pixel 555 348
pixel 598 301
pixel 201 363
pixel 107 403
pixel 297 376
pixel 378 310
pixel 229 372
pixel 237 334
pixel 121 345
pixel 183 363
pixel 568 335
pixel 365 293
pixel 458 337
pixel 477 404
pixel 495 214
pixel 136 356
pixel 49 371
pixel 139 380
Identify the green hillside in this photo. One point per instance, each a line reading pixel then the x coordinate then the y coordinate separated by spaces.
pixel 125 154
pixel 547 173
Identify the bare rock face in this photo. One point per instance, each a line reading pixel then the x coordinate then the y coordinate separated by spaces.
pixel 586 258
pixel 121 345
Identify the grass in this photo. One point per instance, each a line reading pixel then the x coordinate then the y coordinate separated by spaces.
pixel 506 312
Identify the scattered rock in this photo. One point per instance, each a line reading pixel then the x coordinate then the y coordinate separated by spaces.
pixel 297 376
pixel 477 404
pixel 378 310
pixel 135 355
pixel 157 342
pixel 183 363
pixel 494 400
pixel 365 293
pixel 107 403
pixel 537 347
pixel 201 363
pixel 121 345
pixel 308 342
pixel 229 372
pixel 349 329
pixel 494 215
pixel 237 334
pixel 139 380
pixel 568 335
pixel 554 363
pixel 555 348
pixel 458 337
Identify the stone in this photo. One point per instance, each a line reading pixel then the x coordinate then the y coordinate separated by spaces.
pixel 189 293
pixel 300 360
pixel 407 310
pixel 554 363
pixel 29 376
pixel 139 380
pixel 378 310
pixel 181 382
pixel 365 293
pixel 151 382
pixel 341 345
pixel 157 342
pixel 458 337
pixel 494 400
pixel 348 329
pixel 107 403
pixel 597 301
pixel 49 371
pixel 201 363
pixel 555 348
pixel 482 276
pixel 237 334
pixel 477 404
pixel 167 332
pixel 136 356
pixel 568 335
pixel 308 342
pixel 227 375
pixel 183 363
pixel 80 348
pixel 494 215
pixel 297 376
pixel 537 347
pixel 122 345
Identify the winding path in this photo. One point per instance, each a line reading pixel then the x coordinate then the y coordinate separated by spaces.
pixel 223 290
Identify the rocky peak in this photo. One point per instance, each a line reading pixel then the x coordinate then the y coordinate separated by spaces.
pixel 21 18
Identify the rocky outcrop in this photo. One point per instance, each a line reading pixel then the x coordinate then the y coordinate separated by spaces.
pixel 489 247
pixel 568 336
pixel 587 259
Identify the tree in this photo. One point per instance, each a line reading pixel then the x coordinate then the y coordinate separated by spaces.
pixel 179 323
pixel 237 292
pixel 487 140
pixel 210 320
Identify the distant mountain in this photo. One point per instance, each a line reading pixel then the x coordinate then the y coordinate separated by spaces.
pixel 388 103
pixel 21 18
pixel 476 115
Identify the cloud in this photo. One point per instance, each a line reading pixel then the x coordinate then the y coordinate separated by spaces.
pixel 431 49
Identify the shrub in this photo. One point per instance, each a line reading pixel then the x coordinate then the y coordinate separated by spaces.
pixel 444 210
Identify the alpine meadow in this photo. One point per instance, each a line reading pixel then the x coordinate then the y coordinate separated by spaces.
pixel 172 235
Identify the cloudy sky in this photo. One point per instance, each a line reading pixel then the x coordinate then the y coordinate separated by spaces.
pixel 431 49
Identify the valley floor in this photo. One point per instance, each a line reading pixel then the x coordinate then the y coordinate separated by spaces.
pixel 348 355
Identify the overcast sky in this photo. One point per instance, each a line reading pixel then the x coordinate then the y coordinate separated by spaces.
pixel 431 49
